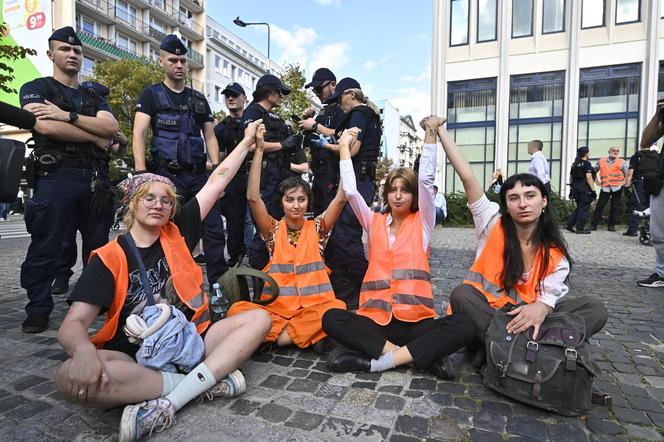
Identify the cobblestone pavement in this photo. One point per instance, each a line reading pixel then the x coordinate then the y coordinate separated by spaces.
pixel 291 396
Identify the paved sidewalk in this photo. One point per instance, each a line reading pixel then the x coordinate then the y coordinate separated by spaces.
pixel 291 396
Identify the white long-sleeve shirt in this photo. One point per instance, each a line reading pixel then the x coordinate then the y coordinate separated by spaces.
pixel 539 166
pixel 427 209
pixel 485 216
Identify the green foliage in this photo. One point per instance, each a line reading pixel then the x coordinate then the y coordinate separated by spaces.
pixel 126 79
pixel 383 167
pixel 295 102
pixel 9 52
pixel 219 115
pixel 458 214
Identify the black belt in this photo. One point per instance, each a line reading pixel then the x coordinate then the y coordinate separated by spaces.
pixel 176 166
pixel 47 161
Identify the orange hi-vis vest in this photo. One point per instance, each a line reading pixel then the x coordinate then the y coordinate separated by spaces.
pixel 398 281
pixel 611 175
pixel 299 271
pixel 187 279
pixel 485 273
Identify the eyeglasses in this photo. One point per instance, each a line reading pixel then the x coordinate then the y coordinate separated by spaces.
pixel 150 201
pixel 321 87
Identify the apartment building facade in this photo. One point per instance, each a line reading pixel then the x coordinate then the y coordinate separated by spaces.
pixel 568 72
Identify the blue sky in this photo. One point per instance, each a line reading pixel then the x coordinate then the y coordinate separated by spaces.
pixel 385 45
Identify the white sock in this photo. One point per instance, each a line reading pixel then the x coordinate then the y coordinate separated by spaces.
pixel 171 380
pixel 384 362
pixel 196 382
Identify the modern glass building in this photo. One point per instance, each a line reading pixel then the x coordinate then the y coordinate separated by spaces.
pixel 567 72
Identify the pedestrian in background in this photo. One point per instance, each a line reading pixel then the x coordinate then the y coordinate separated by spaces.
pixel 497 181
pixel 539 165
pixel 612 172
pixel 582 183
pixel 642 165
pixel 441 206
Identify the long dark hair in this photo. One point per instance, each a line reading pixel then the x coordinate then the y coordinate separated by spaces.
pixel 546 235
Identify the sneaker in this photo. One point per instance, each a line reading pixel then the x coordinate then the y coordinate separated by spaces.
pixel 145 418
pixel 653 280
pixel 232 385
pixel 35 324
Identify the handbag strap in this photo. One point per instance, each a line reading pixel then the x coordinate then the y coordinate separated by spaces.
pixel 149 296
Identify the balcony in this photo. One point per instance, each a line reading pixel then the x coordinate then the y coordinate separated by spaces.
pixel 130 25
pixel 99 10
pixel 195 6
pixel 106 48
pixel 164 11
pixel 156 34
pixel 195 58
pixel 190 27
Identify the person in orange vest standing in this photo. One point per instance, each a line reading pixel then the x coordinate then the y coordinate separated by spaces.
pixel 133 270
pixel 396 323
pixel 522 261
pixel 612 171
pixel 296 246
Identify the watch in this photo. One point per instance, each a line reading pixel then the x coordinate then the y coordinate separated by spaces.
pixel 314 127
pixel 73 116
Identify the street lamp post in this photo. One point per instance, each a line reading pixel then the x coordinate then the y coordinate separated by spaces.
pixel 244 24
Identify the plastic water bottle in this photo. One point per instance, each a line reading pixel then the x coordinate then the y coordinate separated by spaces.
pixel 218 303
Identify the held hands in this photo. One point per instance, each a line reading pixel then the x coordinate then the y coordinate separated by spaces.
pixel 86 375
pixel 432 122
pixel 260 137
pixel 348 137
pixel 306 124
pixel 48 111
pixel 526 316
pixel 251 129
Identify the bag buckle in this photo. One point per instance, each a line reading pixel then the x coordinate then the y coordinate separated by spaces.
pixel 570 356
pixel 501 369
pixel 531 351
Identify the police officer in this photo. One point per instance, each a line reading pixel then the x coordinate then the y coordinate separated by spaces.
pixel 325 163
pixel 642 166
pixel 280 146
pixel 229 133
pixel 344 253
pixel 70 171
pixel 182 129
pixel 582 182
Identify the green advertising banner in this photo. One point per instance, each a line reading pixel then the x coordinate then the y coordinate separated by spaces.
pixel 29 24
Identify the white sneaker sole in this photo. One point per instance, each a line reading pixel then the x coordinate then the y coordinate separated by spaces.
pixel 238 379
pixel 656 284
pixel 127 423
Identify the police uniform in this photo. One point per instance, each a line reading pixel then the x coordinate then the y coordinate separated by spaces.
pixel 344 253
pixel 67 175
pixel 643 163
pixel 178 151
pixel 275 167
pixel 581 192
pixel 229 133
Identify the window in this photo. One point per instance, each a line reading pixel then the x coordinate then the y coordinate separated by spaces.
pixel 161 4
pixel 159 26
pixel 87 25
pixel 660 83
pixel 87 68
pixel 471 121
pixel 185 16
pixel 459 23
pixel 226 68
pixel 609 109
pixel 592 14
pixel 125 12
pixel 522 18
pixel 233 73
pixel 217 64
pixel 217 93
pixel 628 11
pixel 486 20
pixel 553 16
pixel 536 113
pixel 126 43
pixel 661 8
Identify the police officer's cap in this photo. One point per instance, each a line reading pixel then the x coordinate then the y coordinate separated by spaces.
pixel 66 35
pixel 321 76
pixel 271 80
pixel 343 85
pixel 233 89
pixel 173 45
pixel 582 150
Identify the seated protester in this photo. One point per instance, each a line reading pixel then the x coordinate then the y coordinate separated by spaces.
pixel 102 371
pixel 396 323
pixel 522 259
pixel 296 248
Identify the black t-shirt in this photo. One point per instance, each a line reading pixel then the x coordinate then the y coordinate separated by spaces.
pixel 148 104
pixel 97 286
pixel 229 133
pixel 37 90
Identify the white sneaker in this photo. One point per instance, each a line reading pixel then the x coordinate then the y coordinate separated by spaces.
pixel 145 418
pixel 232 385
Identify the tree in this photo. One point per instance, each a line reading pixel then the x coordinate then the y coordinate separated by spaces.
pixel 383 167
pixel 295 102
pixel 126 79
pixel 9 52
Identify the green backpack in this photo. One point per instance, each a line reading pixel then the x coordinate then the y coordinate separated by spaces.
pixel 235 287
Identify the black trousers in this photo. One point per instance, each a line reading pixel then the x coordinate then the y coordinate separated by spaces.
pixel 616 206
pixel 466 299
pixel 427 340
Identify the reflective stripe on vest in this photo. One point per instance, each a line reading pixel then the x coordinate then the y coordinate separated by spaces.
pixel 611 175
pixel 299 271
pixel 388 290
